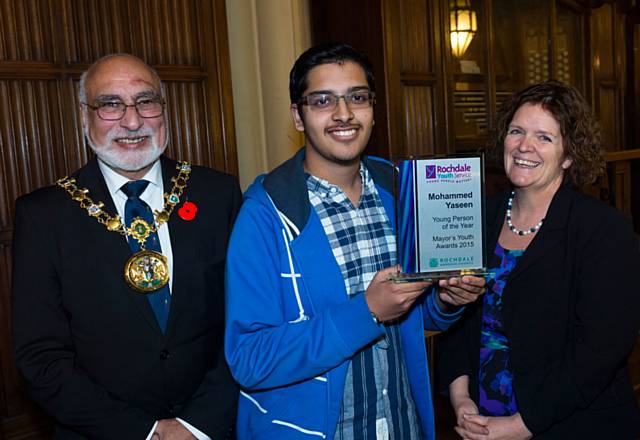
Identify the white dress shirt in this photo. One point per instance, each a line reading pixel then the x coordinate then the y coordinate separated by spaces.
pixel 153 195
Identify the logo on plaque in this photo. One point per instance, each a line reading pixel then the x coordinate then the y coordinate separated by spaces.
pixel 431 172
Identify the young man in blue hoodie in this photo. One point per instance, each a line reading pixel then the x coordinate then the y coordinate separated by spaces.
pixel 323 344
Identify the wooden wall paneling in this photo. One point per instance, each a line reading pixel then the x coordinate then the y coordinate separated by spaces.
pixel 165 19
pixel 635 205
pixel 78 31
pixel 436 52
pixel 620 177
pixel 49 121
pixel 418 110
pixel 416 43
pixel 607 105
pixel 34 153
pixel 96 28
pixel 16 149
pixel 30 161
pixel 416 40
pixel 7 155
pixel 5 328
pixel 571 19
pixel 417 119
pixel 185 22
pixel 22 36
pixel 636 79
pixel 553 40
pixel 392 86
pixel 73 151
pixel 172 33
pixel 632 79
pixel 41 102
pixel 446 128
pixel 490 97
pixel 189 140
pixel 215 46
pixel 195 101
pixel 360 23
pixel 439 51
pixel 607 68
pixel 431 116
pixel 160 32
pixel 620 63
pixel 588 61
pixel 7 32
pixel 175 107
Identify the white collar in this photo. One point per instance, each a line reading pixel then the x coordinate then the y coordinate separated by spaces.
pixel 115 180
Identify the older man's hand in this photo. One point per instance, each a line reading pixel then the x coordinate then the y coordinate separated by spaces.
pixel 459 291
pixel 171 429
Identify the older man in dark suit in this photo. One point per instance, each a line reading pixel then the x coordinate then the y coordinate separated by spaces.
pixel 118 276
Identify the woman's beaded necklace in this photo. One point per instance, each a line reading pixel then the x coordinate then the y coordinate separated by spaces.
pixel 510 224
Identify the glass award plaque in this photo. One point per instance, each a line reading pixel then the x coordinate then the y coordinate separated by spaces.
pixel 440 217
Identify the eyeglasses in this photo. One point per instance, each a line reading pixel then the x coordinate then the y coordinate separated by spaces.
pixel 329 101
pixel 115 110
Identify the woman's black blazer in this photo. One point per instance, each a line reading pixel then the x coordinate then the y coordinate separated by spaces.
pixel 571 311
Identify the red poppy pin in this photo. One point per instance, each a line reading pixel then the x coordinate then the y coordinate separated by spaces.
pixel 188 211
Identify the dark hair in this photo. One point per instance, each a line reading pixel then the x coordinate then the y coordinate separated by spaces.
pixel 579 128
pixel 327 53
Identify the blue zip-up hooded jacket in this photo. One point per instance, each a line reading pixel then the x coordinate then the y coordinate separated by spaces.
pixel 291 329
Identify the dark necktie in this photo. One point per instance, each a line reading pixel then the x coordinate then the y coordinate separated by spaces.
pixel 160 300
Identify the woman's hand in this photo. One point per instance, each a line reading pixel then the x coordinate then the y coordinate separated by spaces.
pixel 499 428
pixel 463 408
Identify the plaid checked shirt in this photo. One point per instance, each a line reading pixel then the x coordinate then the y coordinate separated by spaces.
pixel 377 402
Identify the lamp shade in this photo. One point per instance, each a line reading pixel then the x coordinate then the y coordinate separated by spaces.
pixel 463 26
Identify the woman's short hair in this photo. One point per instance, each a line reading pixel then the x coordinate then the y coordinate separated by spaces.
pixel 580 130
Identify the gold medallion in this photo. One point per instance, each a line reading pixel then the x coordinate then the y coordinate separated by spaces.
pixel 146 271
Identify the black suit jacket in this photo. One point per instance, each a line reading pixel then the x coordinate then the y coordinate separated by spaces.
pixel 89 346
pixel 571 311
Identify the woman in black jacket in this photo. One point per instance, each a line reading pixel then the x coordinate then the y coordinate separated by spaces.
pixel 544 354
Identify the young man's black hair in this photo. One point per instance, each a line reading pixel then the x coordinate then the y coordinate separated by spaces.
pixel 328 53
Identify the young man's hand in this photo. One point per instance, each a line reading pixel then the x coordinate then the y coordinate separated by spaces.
pixel 459 291
pixel 389 300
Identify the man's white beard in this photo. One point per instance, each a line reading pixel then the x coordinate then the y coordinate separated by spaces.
pixel 128 160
